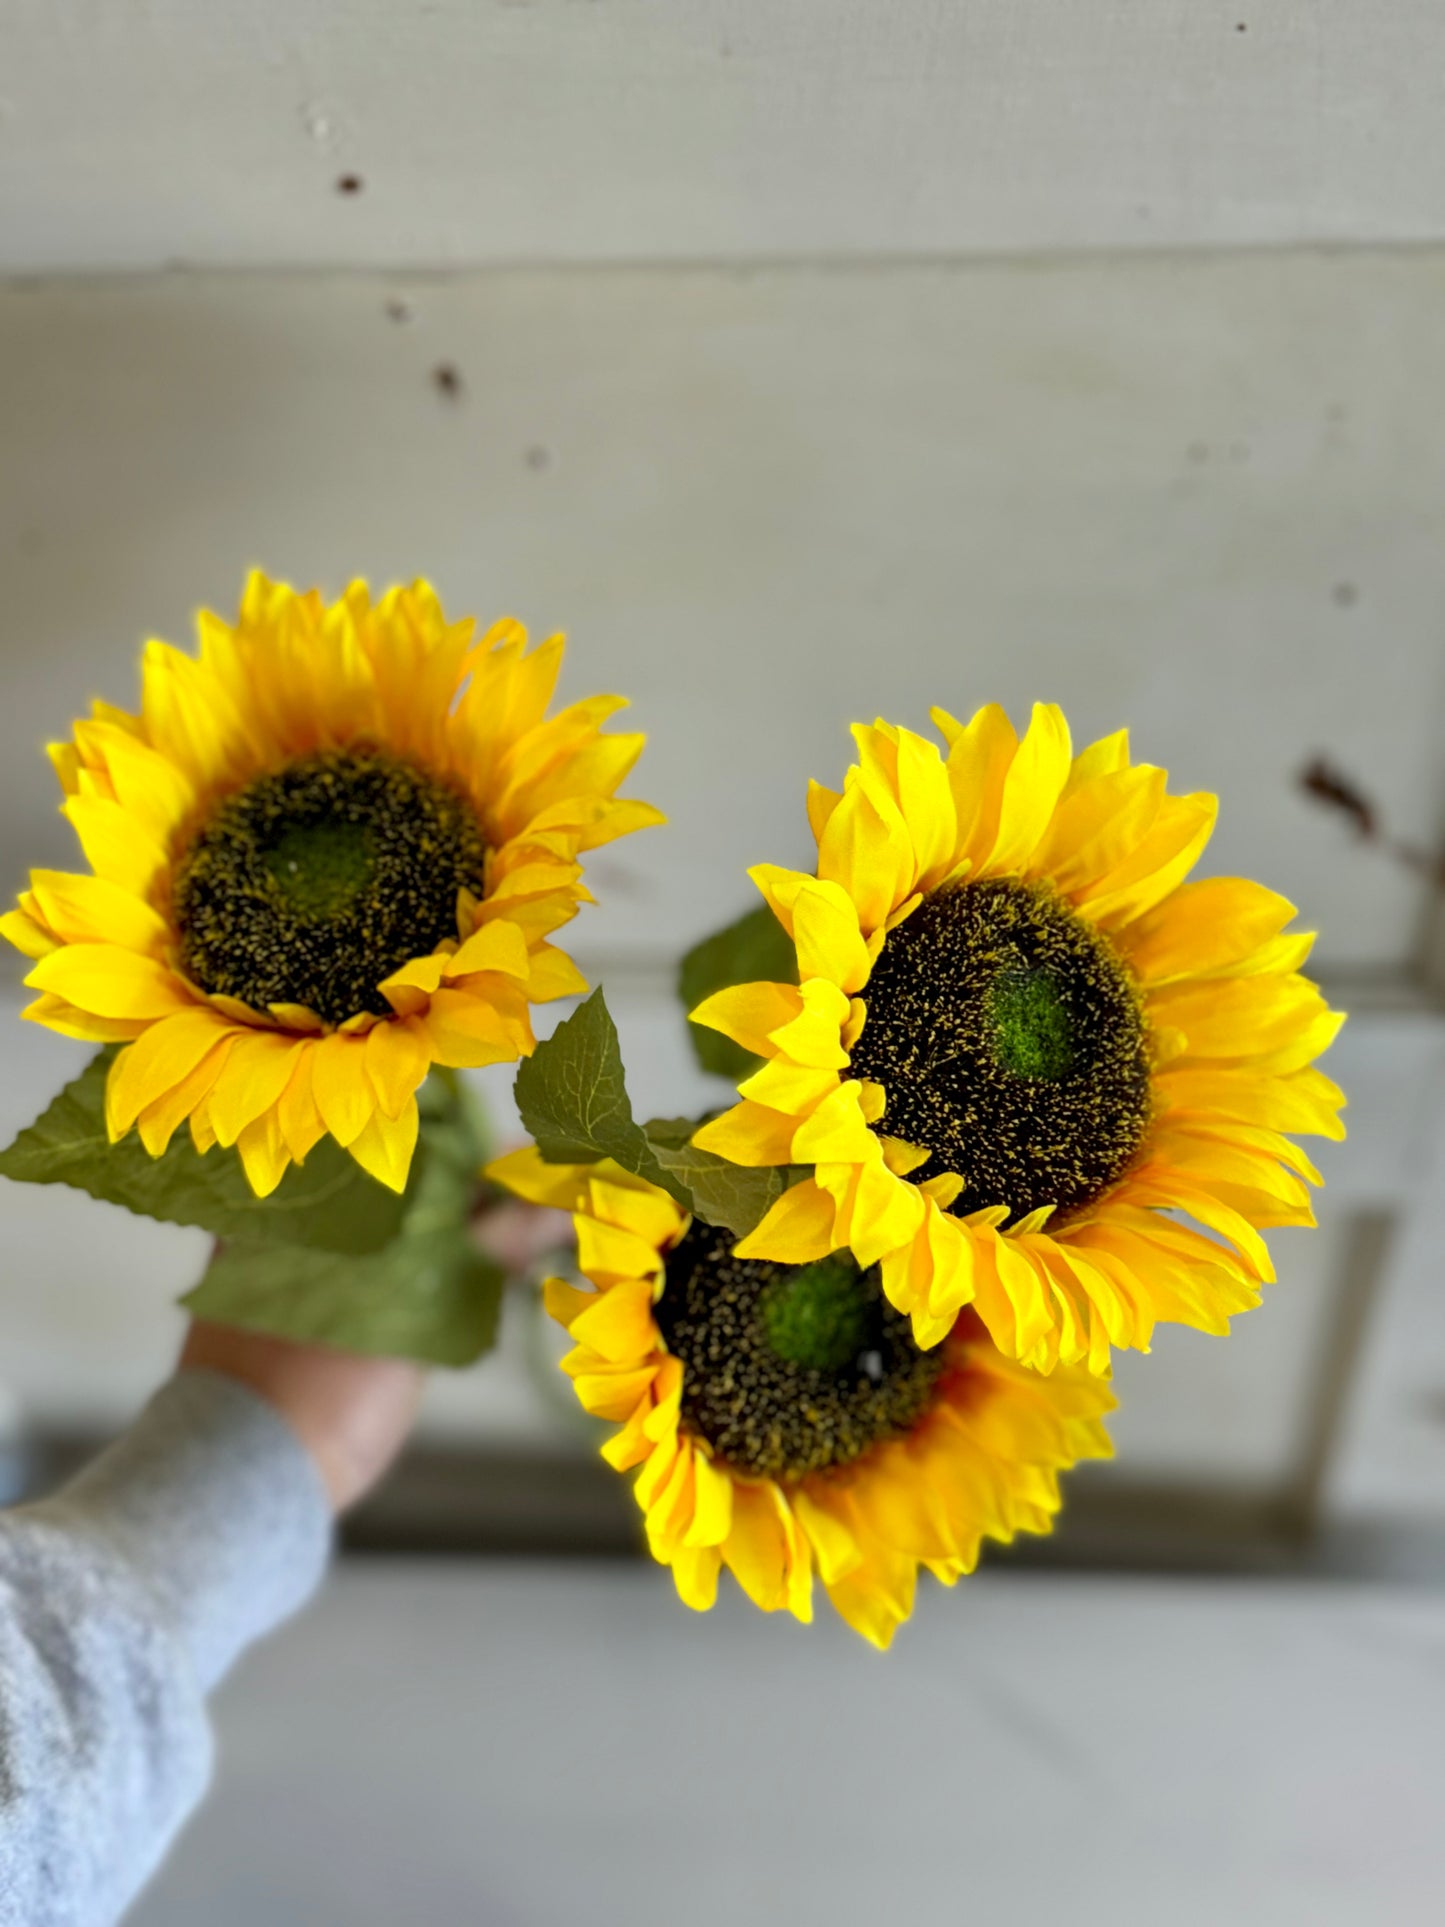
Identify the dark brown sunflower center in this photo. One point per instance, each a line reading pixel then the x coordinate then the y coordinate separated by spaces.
pixel 1010 1043
pixel 314 883
pixel 789 1368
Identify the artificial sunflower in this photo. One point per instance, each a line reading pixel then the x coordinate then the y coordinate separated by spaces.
pixel 783 1419
pixel 1020 1045
pixel 326 855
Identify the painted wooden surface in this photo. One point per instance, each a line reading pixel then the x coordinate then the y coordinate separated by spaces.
pixel 522 1745
pixel 136 133
pixel 1206 497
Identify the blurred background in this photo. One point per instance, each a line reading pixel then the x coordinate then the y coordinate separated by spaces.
pixel 804 361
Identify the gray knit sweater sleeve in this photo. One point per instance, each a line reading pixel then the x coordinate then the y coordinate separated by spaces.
pixel 123 1599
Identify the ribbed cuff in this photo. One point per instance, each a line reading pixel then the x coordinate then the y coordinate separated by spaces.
pixel 215 1503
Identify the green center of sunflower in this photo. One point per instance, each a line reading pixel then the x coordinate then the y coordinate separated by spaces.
pixel 788 1369
pixel 314 883
pixel 1011 1044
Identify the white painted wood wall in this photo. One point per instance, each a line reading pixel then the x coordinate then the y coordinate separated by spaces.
pixel 809 360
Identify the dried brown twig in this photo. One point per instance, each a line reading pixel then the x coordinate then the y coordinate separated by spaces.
pixel 1325 783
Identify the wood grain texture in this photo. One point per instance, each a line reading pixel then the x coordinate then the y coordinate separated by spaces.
pixel 136 133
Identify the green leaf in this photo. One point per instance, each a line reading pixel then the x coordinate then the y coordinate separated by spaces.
pixel 573 1099
pixel 434 1298
pixel 329 1202
pixel 572 1096
pixel 735 1196
pixel 755 949
pixel 669 1130
pixel 430 1294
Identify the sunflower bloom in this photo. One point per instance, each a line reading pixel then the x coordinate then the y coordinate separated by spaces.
pixel 327 854
pixel 1019 1038
pixel 783 1422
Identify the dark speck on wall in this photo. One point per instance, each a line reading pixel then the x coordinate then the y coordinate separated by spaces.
pixel 397 310
pixel 1344 595
pixel 447 380
pixel 1198 452
pixel 349 184
pixel 538 457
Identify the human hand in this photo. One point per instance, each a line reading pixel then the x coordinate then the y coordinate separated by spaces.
pixel 353 1413
pixel 350 1412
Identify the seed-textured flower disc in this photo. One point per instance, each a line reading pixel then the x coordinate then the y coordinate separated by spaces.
pixel 1019 1038
pixel 783 1420
pixel 326 855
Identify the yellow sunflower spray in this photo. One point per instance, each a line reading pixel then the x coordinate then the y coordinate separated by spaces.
pixel 1017 1037
pixel 327 857
pixel 995 1051
pixel 1010 1089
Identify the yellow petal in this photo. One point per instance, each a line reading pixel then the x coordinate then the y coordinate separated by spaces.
pixel 1103 758
pixel 1305 1100
pixel 527 1174
pixel 89 909
pixel 788 1087
pixel 410 988
pixel 608 1252
pixel 1235 1019
pixel 115 846
pixel 622 1198
pixel 749 1013
pixel 554 975
pixel 496 946
pixel 618 1323
pixel 255 1074
pixel 901 1157
pixel 263 1154
pixel 712 1517
pixel 834 1545
pixel 814 1037
pixel 340 1085
pixel 57 1015
pixel 614 1395
pixel 876 1596
pixel 30 938
pixel 157 1061
pixel 881 1212
pixel 749 1134
pixel 797 1228
pixel 385 1145
pixel 161 1119
pixel 779 889
pixel 565 1302
pixel 867 852
pixel 756 1550
pixel 821 805
pixel 836 1133
pixel 397 1061
pixel 466 1032
pixel 1158 864
pixel 919 781
pixel 829 937
pixel 109 982
pixel 979 756
pixel 1031 789
pixel 1202 926
pixel 302 1125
